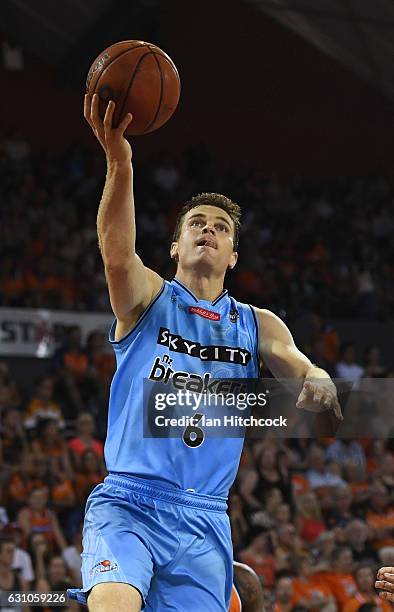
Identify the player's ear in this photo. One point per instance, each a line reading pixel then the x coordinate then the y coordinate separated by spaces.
pixel 174 252
pixel 233 260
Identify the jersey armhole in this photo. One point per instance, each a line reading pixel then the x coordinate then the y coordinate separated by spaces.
pixel 123 341
pixel 257 339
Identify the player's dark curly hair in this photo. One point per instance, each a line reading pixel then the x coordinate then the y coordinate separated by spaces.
pixel 213 199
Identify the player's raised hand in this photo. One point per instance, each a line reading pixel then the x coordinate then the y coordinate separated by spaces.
pixel 116 147
pixel 385 581
pixel 318 396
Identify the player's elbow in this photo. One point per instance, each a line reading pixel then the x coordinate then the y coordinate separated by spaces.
pixel 117 260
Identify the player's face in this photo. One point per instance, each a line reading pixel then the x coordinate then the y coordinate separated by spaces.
pixel 206 240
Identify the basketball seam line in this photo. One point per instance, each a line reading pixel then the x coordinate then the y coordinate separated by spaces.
pixel 161 94
pixel 131 83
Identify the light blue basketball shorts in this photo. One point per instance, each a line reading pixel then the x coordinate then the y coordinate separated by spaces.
pixel 173 546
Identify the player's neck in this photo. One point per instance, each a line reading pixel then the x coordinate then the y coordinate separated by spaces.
pixel 203 287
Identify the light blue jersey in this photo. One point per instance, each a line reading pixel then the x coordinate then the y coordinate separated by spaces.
pixel 159 521
pixel 187 342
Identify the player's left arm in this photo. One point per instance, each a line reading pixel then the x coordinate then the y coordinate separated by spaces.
pixel 281 356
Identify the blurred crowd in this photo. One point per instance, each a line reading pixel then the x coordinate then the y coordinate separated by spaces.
pixel 48 467
pixel 313 517
pixel 326 247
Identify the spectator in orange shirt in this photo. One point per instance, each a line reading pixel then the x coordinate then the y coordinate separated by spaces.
pixel 36 517
pixel 284 594
pixel 307 588
pixel 364 577
pixel 287 544
pixel 259 556
pixel 50 442
pixel 340 579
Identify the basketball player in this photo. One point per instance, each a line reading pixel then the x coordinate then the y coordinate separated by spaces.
pixel 385 582
pixel 247 594
pixel 156 532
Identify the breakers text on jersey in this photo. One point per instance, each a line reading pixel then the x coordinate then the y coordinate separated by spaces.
pixel 162 372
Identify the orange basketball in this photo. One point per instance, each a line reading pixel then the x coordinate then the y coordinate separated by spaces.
pixel 141 79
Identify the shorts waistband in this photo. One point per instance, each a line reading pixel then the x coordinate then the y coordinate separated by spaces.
pixel 175 496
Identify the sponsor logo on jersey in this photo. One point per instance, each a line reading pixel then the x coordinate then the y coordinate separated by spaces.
pixel 207 314
pixel 103 566
pixel 209 352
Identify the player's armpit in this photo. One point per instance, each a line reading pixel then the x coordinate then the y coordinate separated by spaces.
pixel 131 289
pixel 277 348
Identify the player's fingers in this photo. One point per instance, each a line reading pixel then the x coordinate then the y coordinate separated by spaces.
pixel 127 119
pixel 384 584
pixel 108 117
pixel 387 596
pixel 86 108
pixel 385 570
pixel 94 113
pixel 318 396
pixel 301 399
pixel 95 121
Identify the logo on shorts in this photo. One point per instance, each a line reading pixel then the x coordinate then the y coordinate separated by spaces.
pixel 103 566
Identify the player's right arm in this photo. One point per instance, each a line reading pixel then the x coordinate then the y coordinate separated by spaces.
pixel 132 286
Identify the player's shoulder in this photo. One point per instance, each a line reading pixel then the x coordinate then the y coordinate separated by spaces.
pixel 271 325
